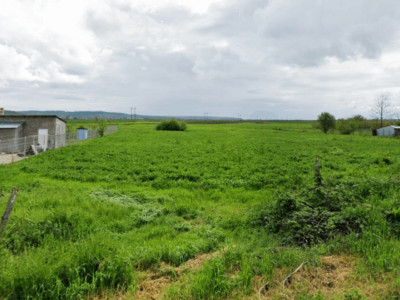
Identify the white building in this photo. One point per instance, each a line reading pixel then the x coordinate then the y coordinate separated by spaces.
pixel 389 131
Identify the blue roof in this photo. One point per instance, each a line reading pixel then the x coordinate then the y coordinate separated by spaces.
pixel 10 125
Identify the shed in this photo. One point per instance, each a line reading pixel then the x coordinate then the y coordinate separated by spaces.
pixel 82 133
pixel 25 130
pixel 389 131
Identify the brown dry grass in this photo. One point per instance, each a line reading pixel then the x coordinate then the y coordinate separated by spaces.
pixel 335 277
pixel 154 283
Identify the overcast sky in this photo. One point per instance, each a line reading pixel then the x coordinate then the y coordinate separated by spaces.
pixel 286 59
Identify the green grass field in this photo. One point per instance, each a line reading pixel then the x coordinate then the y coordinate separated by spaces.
pixel 112 216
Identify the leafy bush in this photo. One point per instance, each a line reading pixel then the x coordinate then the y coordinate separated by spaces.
pixel 171 125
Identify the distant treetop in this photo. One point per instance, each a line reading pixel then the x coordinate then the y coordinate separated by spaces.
pixel 326 121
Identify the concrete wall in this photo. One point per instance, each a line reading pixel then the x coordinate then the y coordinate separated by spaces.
pixel 11 133
pixel 9 139
pixel 61 129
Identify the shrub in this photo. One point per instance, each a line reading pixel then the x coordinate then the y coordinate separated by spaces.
pixel 314 215
pixel 171 125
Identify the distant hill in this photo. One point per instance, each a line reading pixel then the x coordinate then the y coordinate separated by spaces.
pixel 10 113
pixel 85 115
pixel 77 114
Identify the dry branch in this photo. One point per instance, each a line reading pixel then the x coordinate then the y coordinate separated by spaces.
pixel 260 290
pixel 7 212
pixel 291 274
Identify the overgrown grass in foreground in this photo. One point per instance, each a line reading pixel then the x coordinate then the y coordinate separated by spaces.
pixel 91 217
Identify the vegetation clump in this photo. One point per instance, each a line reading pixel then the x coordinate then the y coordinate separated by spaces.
pixel 101 128
pixel 315 214
pixel 171 125
pixel 351 125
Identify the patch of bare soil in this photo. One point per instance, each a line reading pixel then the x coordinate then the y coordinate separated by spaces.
pixel 10 158
pixel 154 282
pixel 333 278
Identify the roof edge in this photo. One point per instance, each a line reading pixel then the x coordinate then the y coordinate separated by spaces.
pixel 33 116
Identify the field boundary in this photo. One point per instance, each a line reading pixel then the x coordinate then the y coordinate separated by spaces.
pixel 16 149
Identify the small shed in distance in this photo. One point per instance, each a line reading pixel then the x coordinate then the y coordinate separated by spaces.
pixel 82 133
pixel 49 131
pixel 389 131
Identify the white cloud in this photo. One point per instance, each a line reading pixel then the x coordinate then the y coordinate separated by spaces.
pixel 14 65
pixel 50 39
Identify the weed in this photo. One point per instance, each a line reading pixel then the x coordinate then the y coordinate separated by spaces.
pixel 212 281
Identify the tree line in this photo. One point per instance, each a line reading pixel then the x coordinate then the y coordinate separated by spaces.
pixel 381 110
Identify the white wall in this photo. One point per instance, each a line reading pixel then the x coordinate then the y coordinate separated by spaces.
pixel 386 131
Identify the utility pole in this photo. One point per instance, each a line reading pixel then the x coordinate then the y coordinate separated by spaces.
pixel 134 116
pixel 131 113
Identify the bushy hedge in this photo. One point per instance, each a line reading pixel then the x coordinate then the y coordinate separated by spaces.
pixel 171 125
pixel 350 125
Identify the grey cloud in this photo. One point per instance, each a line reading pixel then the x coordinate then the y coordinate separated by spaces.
pixel 280 58
pixel 212 63
pixel 100 24
pixel 307 31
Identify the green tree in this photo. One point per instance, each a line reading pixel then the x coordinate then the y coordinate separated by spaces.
pixel 326 121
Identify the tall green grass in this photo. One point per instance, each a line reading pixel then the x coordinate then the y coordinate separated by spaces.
pixel 90 217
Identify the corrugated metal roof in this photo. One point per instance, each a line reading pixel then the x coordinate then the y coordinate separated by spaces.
pixel 10 125
pixel 390 126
